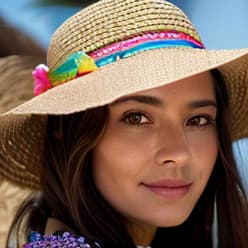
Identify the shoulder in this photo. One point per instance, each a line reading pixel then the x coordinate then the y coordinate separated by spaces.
pixel 58 239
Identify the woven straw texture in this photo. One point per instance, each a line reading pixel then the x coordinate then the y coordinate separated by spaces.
pixel 109 21
pixel 14 90
pixel 22 129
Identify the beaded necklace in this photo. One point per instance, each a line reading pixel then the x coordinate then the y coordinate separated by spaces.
pixel 60 239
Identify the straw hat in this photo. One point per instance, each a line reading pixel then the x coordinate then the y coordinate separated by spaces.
pixel 17 90
pixel 110 49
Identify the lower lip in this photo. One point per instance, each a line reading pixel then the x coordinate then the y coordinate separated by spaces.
pixel 170 192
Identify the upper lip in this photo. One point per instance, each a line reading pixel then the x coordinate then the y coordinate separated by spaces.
pixel 169 183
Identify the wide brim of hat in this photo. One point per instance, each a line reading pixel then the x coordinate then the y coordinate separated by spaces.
pixel 143 71
pixel 22 128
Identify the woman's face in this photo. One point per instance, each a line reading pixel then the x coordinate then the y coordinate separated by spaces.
pixel 158 151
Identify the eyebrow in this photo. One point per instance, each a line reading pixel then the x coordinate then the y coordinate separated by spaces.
pixel 154 101
pixel 150 100
pixel 202 103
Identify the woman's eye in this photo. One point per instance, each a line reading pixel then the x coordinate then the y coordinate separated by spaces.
pixel 200 121
pixel 135 118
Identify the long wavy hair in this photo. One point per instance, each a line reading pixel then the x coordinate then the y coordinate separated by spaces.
pixel 68 192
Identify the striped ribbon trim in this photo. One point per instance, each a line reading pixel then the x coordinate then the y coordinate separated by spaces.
pixel 80 63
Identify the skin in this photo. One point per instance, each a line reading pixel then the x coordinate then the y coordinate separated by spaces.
pixel 169 136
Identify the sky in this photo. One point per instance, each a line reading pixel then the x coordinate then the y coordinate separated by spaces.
pixel 221 24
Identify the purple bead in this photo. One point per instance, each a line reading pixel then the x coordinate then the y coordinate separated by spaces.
pixel 66 240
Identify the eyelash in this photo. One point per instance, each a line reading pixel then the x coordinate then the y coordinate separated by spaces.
pixel 210 121
pixel 127 115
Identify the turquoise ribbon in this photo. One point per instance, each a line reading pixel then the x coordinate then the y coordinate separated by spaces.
pixel 144 47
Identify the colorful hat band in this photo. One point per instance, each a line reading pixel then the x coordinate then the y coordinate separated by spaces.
pixel 165 36
pixel 80 63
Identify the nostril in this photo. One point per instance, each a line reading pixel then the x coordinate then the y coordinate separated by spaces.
pixel 168 162
pixel 178 156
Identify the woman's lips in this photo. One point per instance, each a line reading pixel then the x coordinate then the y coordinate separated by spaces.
pixel 169 188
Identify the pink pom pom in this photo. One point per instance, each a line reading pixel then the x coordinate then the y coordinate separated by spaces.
pixel 41 80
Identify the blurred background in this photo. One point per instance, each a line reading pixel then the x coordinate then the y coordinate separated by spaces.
pixel 221 24
pixel 26 27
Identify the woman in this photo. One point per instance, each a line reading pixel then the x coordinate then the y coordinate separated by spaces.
pixel 137 153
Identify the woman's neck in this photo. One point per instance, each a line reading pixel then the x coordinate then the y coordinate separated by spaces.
pixel 54 225
pixel 142 234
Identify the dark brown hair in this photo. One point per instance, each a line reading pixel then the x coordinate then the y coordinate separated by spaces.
pixel 69 194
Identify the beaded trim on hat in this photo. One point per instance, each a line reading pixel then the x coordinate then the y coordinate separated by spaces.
pixel 80 63
pixel 147 41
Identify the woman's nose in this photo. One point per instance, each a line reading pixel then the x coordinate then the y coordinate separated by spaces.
pixel 173 147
